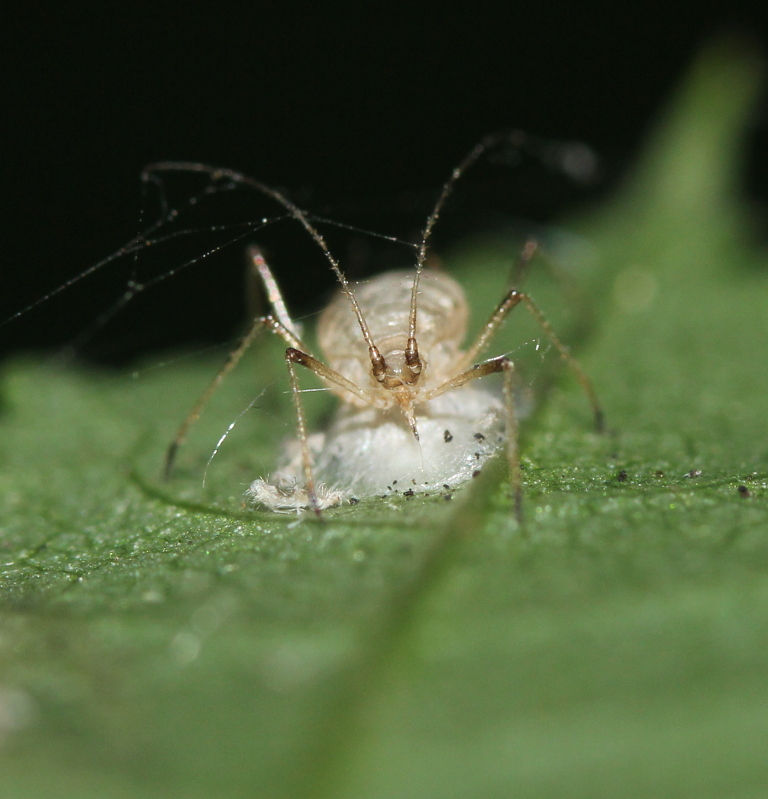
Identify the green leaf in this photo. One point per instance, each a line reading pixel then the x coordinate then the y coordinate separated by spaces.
pixel 160 640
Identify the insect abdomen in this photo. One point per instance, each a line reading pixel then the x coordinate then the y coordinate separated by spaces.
pixel 385 304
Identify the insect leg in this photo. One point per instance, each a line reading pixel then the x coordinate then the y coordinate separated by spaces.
pixel 292 357
pixel 197 409
pixel 210 390
pixel 572 363
pixel 512 299
pixel 295 356
pixel 491 366
pixel 272 290
pixel 331 376
pixel 513 446
pixel 283 326
pixel 527 254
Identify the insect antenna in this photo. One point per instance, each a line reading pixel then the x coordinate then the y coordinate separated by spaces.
pixel 135 245
pixel 378 363
pixel 515 138
pixel 574 160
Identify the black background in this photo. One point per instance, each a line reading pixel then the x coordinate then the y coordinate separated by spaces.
pixel 359 111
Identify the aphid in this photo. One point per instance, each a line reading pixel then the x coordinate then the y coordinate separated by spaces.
pixel 414 416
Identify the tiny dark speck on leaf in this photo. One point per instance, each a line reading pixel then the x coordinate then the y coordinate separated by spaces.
pixel 479 436
pixel 409 493
pixel 744 492
pixel 622 476
pixel 694 473
pixel 446 497
pixel 447 437
pixel 476 473
pixel 353 500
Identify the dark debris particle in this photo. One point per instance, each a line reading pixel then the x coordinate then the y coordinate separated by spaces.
pixel 394 482
pixel 446 487
pixel 447 437
pixel 447 497
pixel 479 437
pixel 409 493
pixel 659 473
pixel 476 473
pixel 477 455
pixel 353 500
pixel 622 476
pixel 744 492
pixel 694 473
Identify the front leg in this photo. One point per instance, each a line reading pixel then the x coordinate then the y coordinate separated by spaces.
pixel 511 300
pixel 292 357
pixel 492 366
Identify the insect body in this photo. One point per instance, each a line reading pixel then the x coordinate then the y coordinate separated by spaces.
pixel 413 416
pixel 405 436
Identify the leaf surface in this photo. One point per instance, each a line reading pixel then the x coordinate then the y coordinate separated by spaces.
pixel 159 640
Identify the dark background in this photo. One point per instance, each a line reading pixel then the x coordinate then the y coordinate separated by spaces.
pixel 356 111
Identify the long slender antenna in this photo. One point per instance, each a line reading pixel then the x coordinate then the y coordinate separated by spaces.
pixel 131 247
pixel 217 173
pixel 516 138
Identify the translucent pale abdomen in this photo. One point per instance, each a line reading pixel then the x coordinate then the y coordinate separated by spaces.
pixel 385 304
